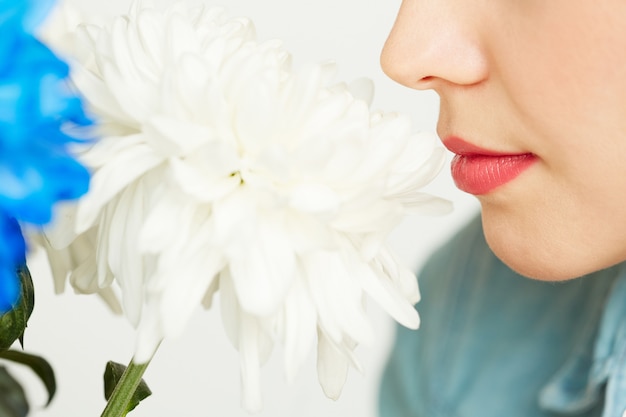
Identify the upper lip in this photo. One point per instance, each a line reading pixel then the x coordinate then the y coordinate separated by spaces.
pixel 461 147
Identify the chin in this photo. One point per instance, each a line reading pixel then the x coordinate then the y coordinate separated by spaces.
pixel 534 268
pixel 534 253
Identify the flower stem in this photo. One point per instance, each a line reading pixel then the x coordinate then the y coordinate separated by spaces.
pixel 117 406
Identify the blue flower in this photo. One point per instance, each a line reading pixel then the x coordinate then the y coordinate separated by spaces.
pixel 37 109
pixel 36 169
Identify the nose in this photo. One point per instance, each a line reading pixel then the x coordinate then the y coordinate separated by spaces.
pixel 434 43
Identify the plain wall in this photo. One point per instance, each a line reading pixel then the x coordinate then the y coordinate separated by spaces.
pixel 198 374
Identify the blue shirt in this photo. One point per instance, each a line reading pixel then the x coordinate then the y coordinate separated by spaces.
pixel 495 344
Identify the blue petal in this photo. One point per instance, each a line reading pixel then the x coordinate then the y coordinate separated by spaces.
pixel 9 288
pixel 12 254
pixel 29 186
pixel 36 13
pixel 27 13
pixel 12 244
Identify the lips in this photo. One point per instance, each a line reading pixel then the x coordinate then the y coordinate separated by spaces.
pixel 479 171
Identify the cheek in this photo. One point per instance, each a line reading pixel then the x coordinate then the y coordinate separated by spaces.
pixel 546 228
pixel 562 92
pixel 563 67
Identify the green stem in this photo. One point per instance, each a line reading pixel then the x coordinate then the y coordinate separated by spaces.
pixel 117 406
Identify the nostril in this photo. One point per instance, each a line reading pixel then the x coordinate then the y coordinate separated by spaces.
pixel 427 82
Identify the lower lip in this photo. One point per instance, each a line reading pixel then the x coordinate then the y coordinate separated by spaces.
pixel 480 174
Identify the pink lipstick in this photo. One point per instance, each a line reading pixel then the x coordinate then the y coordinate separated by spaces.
pixel 478 171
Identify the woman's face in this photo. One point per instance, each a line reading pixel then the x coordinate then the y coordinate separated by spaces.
pixel 533 97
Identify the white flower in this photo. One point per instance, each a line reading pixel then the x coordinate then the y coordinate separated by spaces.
pixel 221 169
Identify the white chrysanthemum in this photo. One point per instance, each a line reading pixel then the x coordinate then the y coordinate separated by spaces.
pixel 221 169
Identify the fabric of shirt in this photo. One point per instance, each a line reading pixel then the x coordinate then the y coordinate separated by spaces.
pixel 493 343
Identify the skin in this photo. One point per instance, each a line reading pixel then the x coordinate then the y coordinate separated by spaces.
pixel 545 77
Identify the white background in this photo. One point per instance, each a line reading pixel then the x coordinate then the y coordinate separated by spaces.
pixel 198 374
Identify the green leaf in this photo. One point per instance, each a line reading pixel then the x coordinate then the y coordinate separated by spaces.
pixel 112 376
pixel 13 401
pixel 13 323
pixel 38 365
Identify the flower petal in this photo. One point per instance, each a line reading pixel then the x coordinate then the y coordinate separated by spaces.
pixel 128 164
pixel 300 318
pixel 332 367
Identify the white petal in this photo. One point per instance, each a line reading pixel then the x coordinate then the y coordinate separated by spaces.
pixel 421 203
pixel 105 277
pixel 127 166
pixel 110 298
pixel 300 320
pixel 99 96
pixel 309 232
pixel 332 367
pixel 420 177
pixel 389 266
pixel 229 308
pixel 60 232
pixel 202 183
pixel 124 257
pixel 337 294
pixel 263 269
pixel 135 101
pixel 250 365
pixel 158 231
pixel 180 38
pixel 207 300
pixel 362 89
pixel 150 33
pixel 379 215
pixel 389 298
pixel 247 336
pixel 314 198
pixel 170 137
pixel 84 278
pixel 149 335
pixel 187 287
pixel 234 218
pixel 60 265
